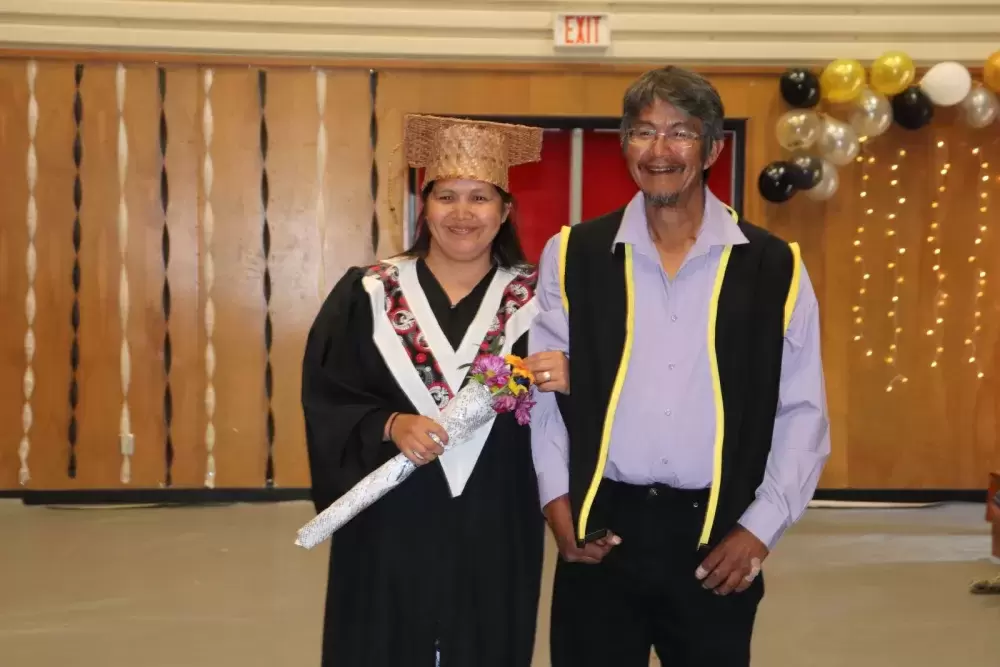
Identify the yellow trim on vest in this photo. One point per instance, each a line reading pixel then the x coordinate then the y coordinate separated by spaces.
pixel 720 413
pixel 616 391
pixel 793 289
pixel 563 249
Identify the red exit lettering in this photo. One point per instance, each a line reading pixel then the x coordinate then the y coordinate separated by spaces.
pixel 582 30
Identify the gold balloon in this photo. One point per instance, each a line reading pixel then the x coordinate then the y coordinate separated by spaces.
pixel 892 72
pixel 842 80
pixel 991 72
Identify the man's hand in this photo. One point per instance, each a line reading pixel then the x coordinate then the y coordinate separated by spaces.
pixel 560 519
pixel 551 371
pixel 734 564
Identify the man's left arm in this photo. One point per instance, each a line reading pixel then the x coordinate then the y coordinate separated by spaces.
pixel 800 445
pixel 799 448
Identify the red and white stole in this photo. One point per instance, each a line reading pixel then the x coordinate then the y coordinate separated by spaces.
pixel 422 361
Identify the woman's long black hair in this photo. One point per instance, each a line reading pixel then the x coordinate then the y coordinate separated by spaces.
pixel 507 251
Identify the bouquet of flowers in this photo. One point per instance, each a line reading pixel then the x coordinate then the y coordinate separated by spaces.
pixel 496 384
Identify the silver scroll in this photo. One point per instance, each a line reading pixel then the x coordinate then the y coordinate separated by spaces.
pixel 470 410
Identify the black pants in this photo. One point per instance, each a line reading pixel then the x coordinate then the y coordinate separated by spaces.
pixel 645 594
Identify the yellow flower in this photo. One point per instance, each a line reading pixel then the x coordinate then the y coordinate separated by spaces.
pixel 515 388
pixel 518 369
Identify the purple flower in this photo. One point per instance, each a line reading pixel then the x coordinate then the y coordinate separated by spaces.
pixel 522 410
pixel 504 403
pixel 493 369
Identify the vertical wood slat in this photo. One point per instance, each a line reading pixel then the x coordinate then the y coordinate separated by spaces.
pixel 208 238
pixel 165 297
pixel 74 386
pixel 97 451
pixel 182 109
pixel 125 436
pixel 53 282
pixel 241 442
pixel 265 200
pixel 145 277
pixel 295 129
pixel 18 338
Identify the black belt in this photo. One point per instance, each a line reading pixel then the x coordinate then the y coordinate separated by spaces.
pixel 622 491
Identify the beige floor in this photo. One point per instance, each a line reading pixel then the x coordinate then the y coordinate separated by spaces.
pixel 224 586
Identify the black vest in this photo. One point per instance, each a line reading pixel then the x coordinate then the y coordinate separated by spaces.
pixel 754 293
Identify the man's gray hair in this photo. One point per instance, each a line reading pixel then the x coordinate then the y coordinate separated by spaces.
pixel 690 93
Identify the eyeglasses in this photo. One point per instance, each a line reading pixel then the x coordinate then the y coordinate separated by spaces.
pixel 643 137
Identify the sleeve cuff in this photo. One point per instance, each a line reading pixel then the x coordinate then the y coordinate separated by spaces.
pixel 370 429
pixel 552 485
pixel 765 521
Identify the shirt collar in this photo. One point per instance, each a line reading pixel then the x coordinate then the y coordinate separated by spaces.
pixel 718 226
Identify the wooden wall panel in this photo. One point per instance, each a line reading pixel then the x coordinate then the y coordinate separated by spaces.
pixel 144 332
pixel 939 429
pixel 183 105
pixel 292 114
pixel 54 194
pixel 99 339
pixel 13 252
pixel 240 448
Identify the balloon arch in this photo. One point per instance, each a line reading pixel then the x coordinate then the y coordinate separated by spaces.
pixel 819 143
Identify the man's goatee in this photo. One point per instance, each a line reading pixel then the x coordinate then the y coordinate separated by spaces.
pixel 668 200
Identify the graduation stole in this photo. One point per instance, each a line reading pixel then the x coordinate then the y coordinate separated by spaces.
pixel 420 358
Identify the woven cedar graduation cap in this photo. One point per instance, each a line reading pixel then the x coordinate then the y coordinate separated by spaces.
pixel 477 150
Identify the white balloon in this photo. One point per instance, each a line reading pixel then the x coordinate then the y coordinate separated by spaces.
pixel 947 84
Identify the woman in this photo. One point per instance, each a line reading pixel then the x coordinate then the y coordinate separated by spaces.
pixel 446 567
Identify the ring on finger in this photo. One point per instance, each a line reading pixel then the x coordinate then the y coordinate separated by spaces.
pixel 546 376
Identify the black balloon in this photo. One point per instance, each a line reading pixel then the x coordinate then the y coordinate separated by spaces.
pixel 912 109
pixel 777 181
pixel 800 88
pixel 807 171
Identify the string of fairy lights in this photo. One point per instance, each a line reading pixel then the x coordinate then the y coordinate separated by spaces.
pixel 936 328
pixel 892 356
pixel 858 308
pixel 978 270
pixel 978 258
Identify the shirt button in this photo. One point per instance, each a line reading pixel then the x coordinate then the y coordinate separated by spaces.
pixel 673 318
pixel 669 412
pixel 671 367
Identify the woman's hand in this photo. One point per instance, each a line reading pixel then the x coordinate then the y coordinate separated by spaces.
pixel 412 435
pixel 551 371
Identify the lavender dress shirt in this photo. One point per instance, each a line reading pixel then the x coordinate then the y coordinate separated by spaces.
pixel 664 426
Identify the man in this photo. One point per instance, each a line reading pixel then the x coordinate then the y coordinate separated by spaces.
pixel 695 428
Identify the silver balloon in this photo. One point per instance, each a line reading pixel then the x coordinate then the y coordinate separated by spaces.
pixel 980 107
pixel 838 142
pixel 798 129
pixel 828 184
pixel 872 114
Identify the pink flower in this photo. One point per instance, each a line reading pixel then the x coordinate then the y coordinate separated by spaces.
pixel 504 403
pixel 493 369
pixel 522 410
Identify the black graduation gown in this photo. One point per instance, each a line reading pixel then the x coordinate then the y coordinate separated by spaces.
pixel 418 567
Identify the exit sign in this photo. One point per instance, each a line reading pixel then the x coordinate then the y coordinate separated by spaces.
pixel 582 30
